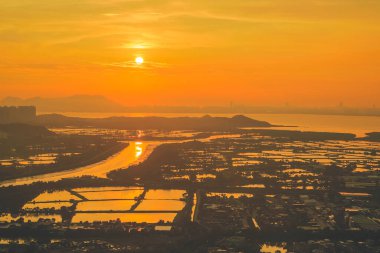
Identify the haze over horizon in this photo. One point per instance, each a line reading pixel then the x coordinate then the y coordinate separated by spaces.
pixel 168 52
pixel 86 98
pixel 97 105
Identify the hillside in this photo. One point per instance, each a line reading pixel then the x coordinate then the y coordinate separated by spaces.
pixel 179 123
pixel 19 130
pixel 79 103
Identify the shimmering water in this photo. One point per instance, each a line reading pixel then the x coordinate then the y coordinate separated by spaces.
pixel 161 205
pixel 55 196
pixel 358 125
pixel 106 204
pixel 124 217
pixel 131 194
pixel 165 194
pixel 135 152
pixel 268 248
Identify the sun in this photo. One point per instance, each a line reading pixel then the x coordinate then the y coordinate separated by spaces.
pixel 139 60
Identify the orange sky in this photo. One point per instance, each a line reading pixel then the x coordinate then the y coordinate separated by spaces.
pixel 199 52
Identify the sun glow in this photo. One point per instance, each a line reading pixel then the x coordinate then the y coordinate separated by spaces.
pixel 139 60
pixel 138 149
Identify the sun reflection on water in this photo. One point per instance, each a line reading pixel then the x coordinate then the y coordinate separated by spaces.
pixel 138 149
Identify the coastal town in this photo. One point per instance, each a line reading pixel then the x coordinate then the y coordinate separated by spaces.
pixel 236 190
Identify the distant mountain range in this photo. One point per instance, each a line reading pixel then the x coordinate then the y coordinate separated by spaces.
pixel 100 104
pixel 79 103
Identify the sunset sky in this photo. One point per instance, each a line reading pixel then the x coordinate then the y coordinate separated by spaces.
pixel 196 52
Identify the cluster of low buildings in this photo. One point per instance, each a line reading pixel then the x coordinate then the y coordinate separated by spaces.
pixel 221 213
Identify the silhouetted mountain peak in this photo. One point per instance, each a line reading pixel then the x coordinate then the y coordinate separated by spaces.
pixel 240 117
pixel 246 121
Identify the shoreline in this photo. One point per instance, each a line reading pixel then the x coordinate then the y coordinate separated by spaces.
pixel 93 162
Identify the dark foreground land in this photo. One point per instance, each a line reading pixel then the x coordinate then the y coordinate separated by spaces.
pixel 257 190
pixel 29 150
